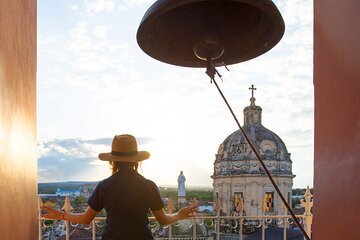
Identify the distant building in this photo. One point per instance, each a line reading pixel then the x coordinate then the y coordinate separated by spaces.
pixel 62 193
pixel 47 195
pixel 67 193
pixel 238 173
pixel 84 191
pixel 205 209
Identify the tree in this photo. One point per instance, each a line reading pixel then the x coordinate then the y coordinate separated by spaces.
pixel 79 200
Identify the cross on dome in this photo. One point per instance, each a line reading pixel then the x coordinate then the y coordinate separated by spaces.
pixel 252 99
pixel 252 90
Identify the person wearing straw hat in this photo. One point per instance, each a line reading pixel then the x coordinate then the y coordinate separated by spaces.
pixel 125 195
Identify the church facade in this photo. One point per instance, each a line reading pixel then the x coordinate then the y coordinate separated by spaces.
pixel 238 175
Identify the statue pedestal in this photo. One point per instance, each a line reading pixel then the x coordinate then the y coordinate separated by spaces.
pixel 181 199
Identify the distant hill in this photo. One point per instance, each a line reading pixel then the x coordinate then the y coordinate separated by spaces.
pixel 166 191
pixel 51 187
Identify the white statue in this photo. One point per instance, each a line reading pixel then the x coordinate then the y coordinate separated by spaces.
pixel 181 185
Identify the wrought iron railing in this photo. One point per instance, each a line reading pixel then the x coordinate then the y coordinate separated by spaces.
pixel 201 227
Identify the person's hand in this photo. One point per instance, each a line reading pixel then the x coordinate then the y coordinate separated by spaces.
pixel 187 212
pixel 51 213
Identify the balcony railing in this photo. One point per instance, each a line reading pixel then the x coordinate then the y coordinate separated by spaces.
pixel 201 227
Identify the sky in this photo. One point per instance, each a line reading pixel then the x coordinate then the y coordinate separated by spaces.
pixel 94 81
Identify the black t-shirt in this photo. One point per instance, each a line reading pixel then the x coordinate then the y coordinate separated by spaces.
pixel 127 197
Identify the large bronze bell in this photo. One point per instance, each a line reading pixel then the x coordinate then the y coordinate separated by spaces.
pixel 189 32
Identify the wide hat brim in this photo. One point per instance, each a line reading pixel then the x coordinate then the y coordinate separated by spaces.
pixel 138 157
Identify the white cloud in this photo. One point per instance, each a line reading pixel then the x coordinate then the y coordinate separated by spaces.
pixel 73 6
pixel 97 163
pixel 79 40
pixel 120 48
pixel 46 40
pixel 97 6
pixel 297 13
pixel 100 31
pixel 41 150
pixel 89 50
pixel 68 158
pixel 135 3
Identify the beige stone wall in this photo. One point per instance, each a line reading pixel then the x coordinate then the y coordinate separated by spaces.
pixel 253 189
pixel 18 166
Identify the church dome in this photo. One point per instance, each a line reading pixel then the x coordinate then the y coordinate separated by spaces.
pixel 235 157
pixel 269 145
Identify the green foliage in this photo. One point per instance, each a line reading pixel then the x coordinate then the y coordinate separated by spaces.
pixel 200 194
pixel 80 200
pixel 49 222
pixel 300 191
pixel 168 192
pixel 295 202
pixel 208 223
pixel 203 194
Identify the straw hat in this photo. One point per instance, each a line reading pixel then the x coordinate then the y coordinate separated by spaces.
pixel 124 149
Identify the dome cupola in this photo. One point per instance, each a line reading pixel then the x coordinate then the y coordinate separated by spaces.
pixel 252 113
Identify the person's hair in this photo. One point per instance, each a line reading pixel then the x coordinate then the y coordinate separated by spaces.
pixel 115 166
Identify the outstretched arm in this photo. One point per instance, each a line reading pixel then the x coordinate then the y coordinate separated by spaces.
pixel 83 218
pixel 164 218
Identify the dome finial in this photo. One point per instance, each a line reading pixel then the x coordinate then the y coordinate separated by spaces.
pixel 252 99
